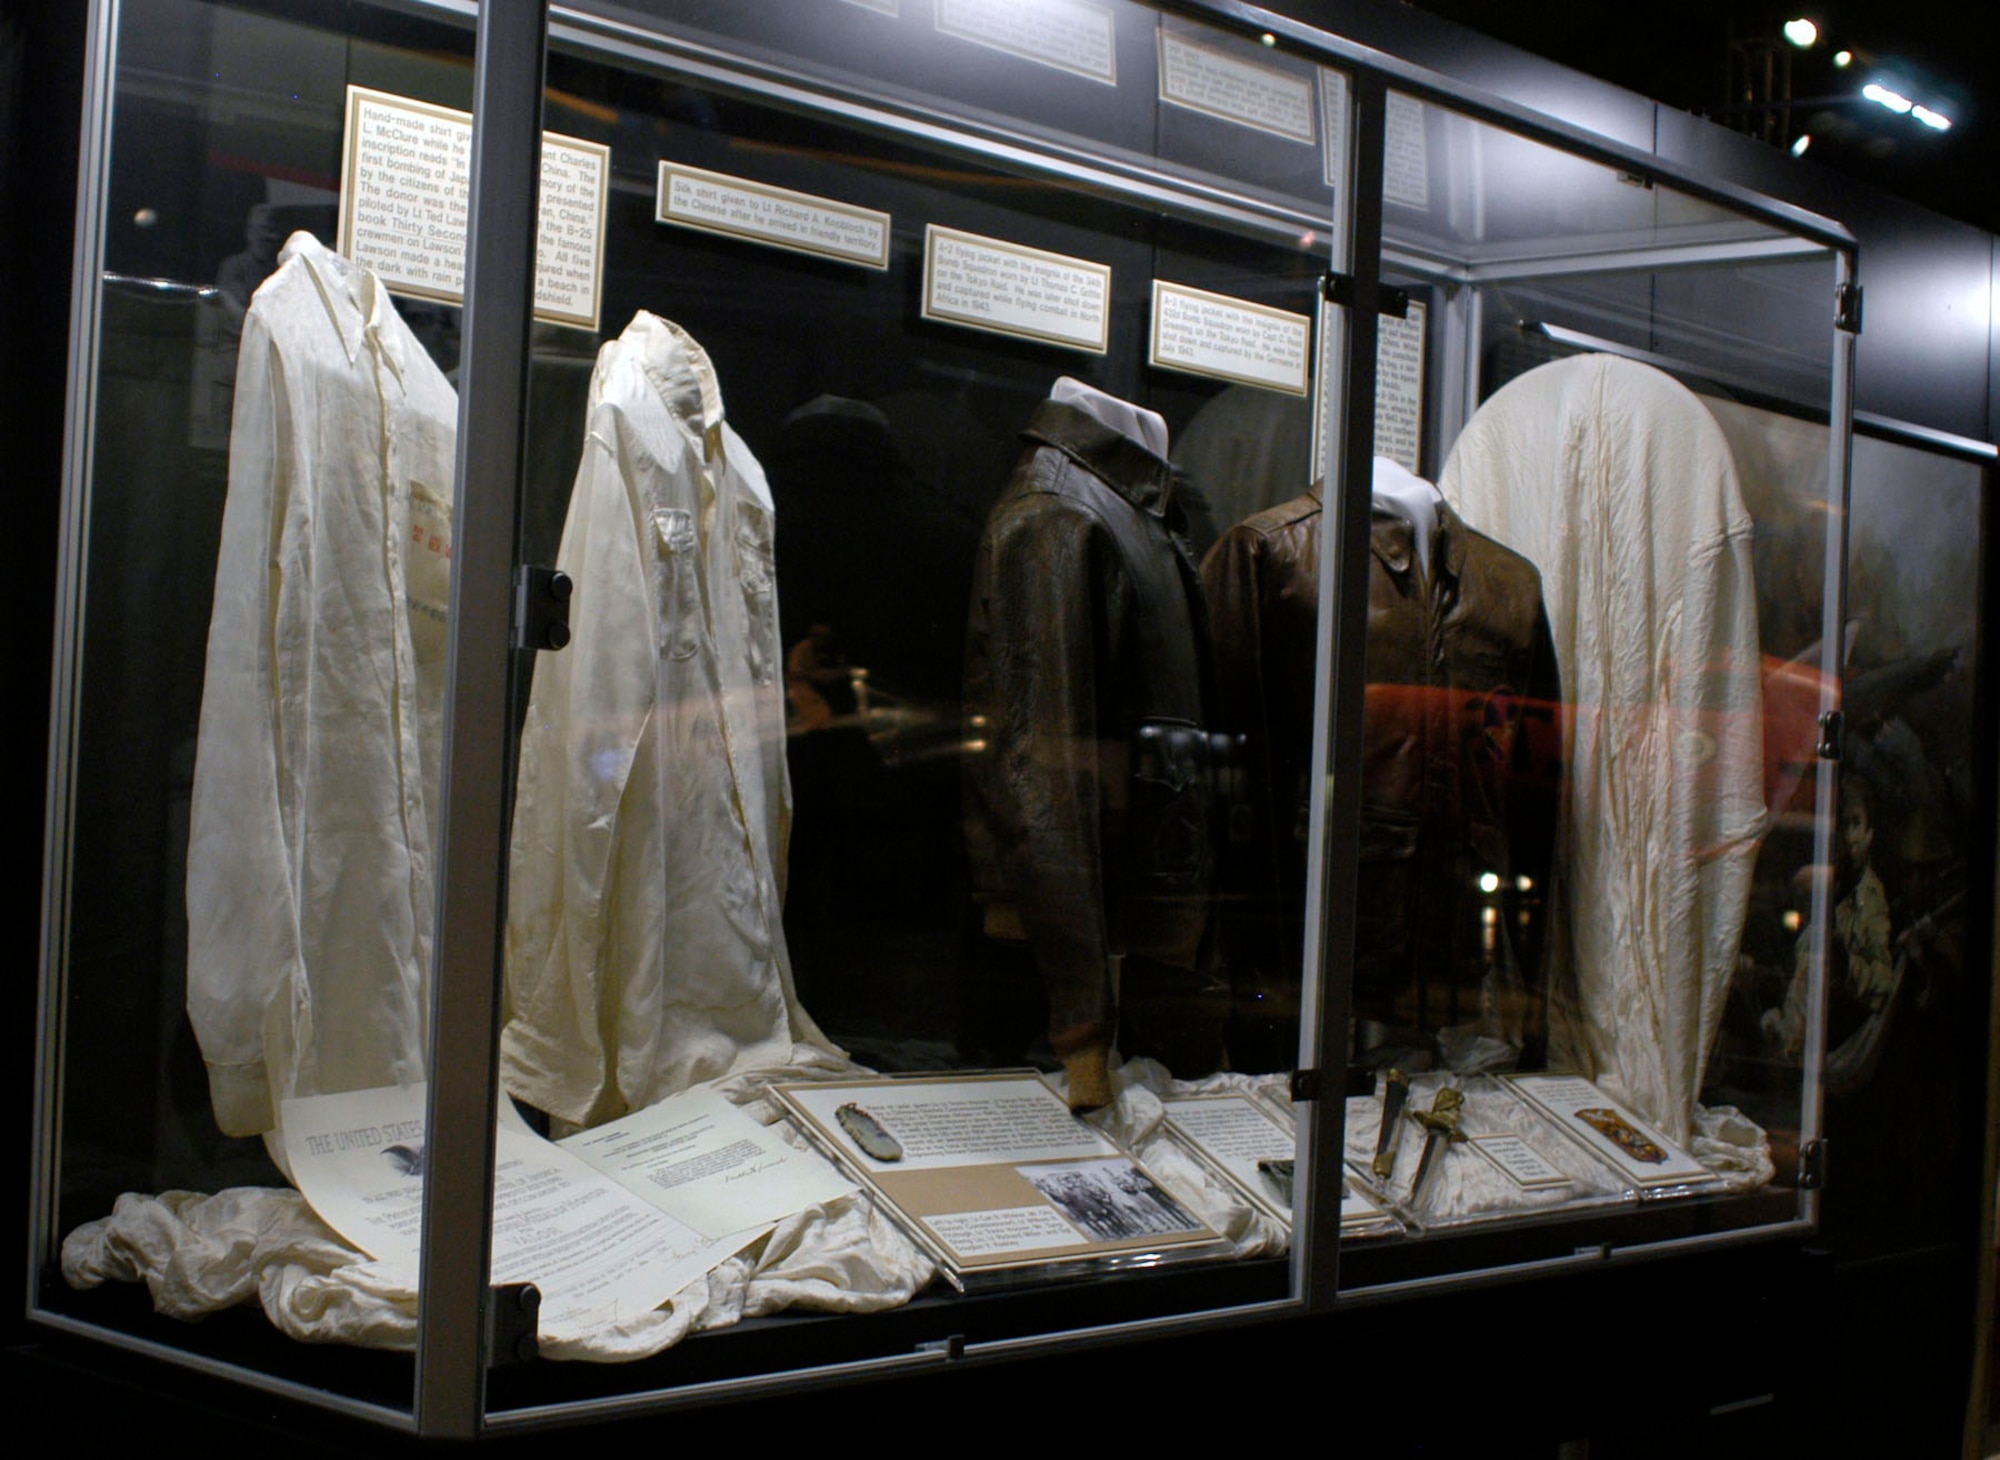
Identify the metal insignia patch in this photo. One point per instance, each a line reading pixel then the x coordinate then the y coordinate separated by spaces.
pixel 869 1133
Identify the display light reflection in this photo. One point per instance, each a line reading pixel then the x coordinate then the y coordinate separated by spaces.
pixel 1883 96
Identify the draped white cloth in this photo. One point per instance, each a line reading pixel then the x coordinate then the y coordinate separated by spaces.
pixel 199 1254
pixel 1616 481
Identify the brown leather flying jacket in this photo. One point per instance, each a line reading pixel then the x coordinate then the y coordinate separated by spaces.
pixel 1087 681
pixel 1461 747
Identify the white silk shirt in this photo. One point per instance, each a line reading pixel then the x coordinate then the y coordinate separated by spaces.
pixel 309 884
pixel 645 947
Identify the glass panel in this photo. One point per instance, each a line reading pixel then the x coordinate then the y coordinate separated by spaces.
pixel 1897 874
pixel 886 445
pixel 255 736
pixel 1106 83
pixel 889 740
pixel 1597 658
pixel 1470 192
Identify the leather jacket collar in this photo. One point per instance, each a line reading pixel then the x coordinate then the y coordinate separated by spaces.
pixel 1121 463
pixel 1393 540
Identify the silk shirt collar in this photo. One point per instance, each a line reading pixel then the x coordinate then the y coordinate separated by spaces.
pixel 357 306
pixel 679 369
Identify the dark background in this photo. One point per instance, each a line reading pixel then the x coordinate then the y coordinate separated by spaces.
pixel 1679 54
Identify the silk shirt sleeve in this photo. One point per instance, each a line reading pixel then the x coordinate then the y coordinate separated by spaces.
pixel 242 905
pixel 587 714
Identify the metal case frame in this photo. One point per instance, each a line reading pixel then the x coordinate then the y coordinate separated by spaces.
pixel 456 1315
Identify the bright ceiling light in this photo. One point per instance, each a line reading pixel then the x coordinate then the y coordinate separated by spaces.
pixel 1801 32
pixel 1799 147
pixel 1843 59
pixel 1883 96
pixel 1936 121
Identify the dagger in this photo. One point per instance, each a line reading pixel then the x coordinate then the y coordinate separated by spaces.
pixel 1441 1129
pixel 1395 1091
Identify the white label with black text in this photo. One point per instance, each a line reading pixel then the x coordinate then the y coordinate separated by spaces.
pixel 718 203
pixel 1070 35
pixel 1406 160
pixel 1230 339
pixel 1399 387
pixel 1011 289
pixel 1242 91
pixel 406 179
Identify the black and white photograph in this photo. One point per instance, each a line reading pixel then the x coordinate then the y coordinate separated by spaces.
pixel 1110 1200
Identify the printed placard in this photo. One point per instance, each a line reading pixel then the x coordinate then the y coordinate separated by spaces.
pixel 1333 120
pixel 715 202
pixel 1406 157
pixel 992 1172
pixel 1236 90
pixel 405 189
pixel 1399 386
pixel 1519 1162
pixel 1070 35
pixel 1244 1140
pixel 1613 1134
pixel 1230 339
pixel 1357 1207
pixel 1011 289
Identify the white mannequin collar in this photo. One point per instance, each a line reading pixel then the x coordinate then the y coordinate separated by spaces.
pixel 1135 423
pixel 1411 498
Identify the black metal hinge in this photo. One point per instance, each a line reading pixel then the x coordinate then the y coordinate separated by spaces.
pixel 1812 1166
pixel 1391 301
pixel 1305 1086
pixel 1832 735
pixel 1847 308
pixel 541 607
pixel 512 1335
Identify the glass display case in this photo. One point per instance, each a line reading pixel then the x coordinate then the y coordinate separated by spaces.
pixel 913 677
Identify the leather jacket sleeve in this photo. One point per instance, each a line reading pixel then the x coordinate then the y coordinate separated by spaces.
pixel 1233 573
pixel 1038 777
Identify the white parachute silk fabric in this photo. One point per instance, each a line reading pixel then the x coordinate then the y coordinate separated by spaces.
pixel 1616 481
pixel 199 1254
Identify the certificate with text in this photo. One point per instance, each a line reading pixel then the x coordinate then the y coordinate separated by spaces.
pixel 597 1252
pixel 991 1172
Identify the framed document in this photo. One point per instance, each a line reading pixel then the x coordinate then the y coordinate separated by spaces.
pixel 1230 339
pixel 1610 1132
pixel 737 207
pixel 992 1173
pixel 1399 386
pixel 405 187
pixel 1249 93
pixel 1244 1140
pixel 1010 289
pixel 1077 36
